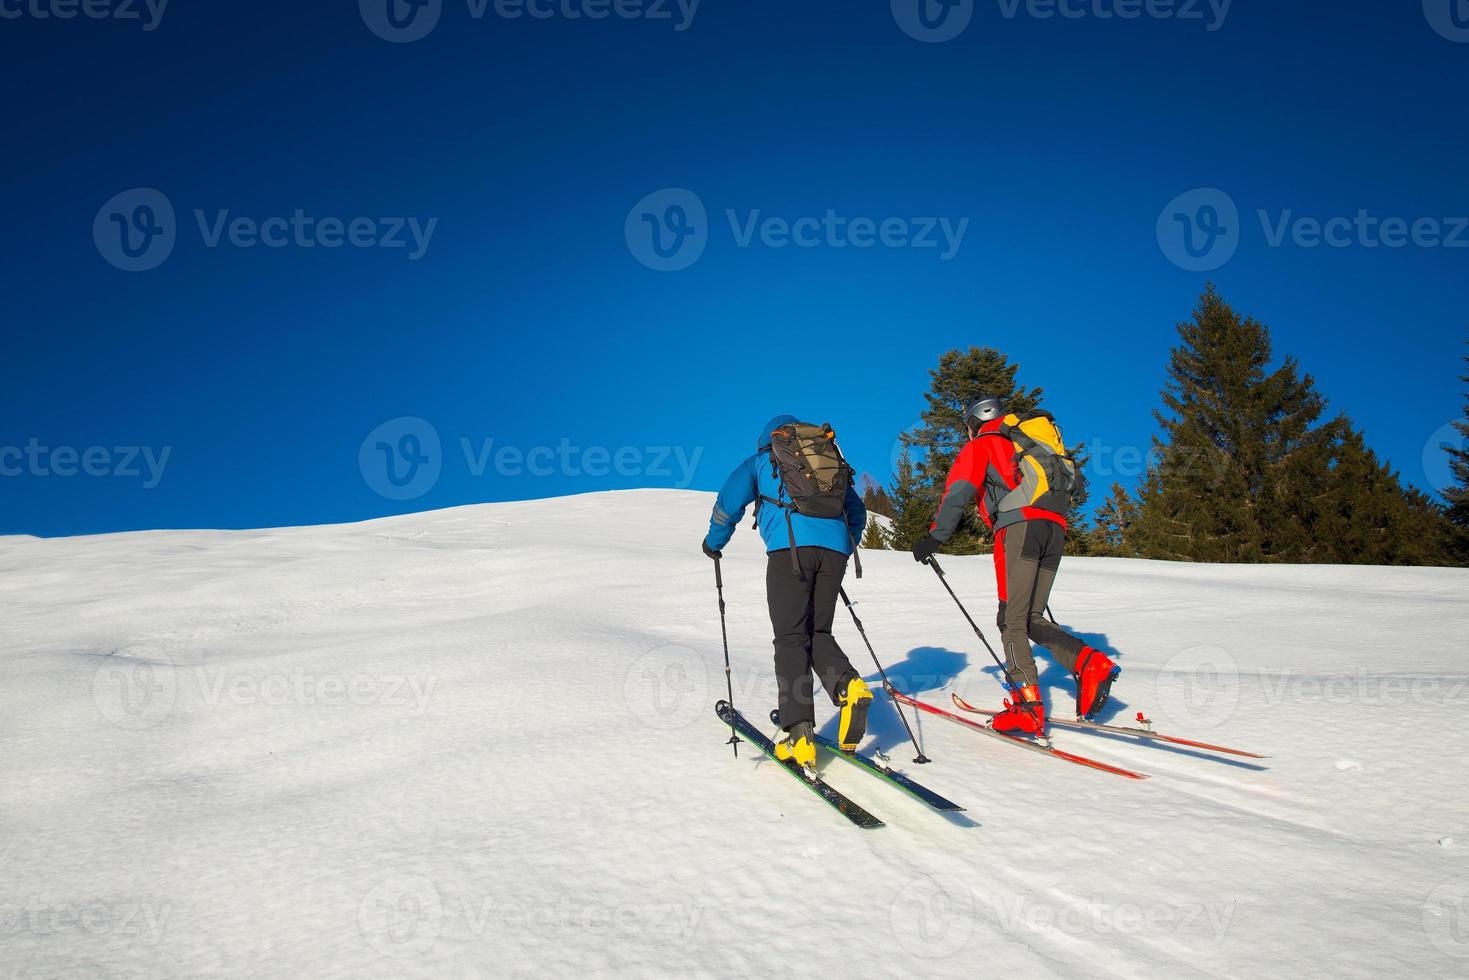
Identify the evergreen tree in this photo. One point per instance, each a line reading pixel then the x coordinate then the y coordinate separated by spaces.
pixel 912 508
pixel 1367 517
pixel 960 378
pixel 1115 518
pixel 874 538
pixel 1247 472
pixel 1458 496
pixel 1236 441
pixel 875 498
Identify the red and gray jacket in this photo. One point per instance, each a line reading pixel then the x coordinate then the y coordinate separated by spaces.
pixel 985 470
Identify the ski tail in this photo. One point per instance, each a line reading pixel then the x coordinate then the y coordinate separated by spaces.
pixel 1016 740
pixel 1143 734
pixel 820 787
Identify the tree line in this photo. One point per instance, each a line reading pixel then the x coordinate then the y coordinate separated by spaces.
pixel 1247 465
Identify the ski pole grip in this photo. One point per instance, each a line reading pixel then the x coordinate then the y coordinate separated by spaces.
pixel 718 578
pixel 933 560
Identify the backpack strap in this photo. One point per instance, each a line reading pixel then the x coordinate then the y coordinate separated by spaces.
pixel 790 533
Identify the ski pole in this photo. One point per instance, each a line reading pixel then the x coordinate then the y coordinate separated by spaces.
pixel 1050 615
pixel 887 685
pixel 734 740
pixel 940 572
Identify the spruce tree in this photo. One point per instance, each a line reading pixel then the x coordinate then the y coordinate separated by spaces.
pixel 1458 496
pixel 1115 519
pixel 1367 517
pixel 1237 440
pixel 960 378
pixel 912 508
pixel 1247 472
pixel 875 498
pixel 874 538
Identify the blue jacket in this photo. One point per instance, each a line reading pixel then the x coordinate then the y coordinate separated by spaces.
pixel 756 476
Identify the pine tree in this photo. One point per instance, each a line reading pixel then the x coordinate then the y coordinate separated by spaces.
pixel 1236 441
pixel 1367 517
pixel 1247 472
pixel 874 538
pixel 912 506
pixel 1115 518
pixel 875 498
pixel 960 378
pixel 1458 496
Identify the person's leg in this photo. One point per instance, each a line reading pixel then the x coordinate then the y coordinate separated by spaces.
pixel 827 659
pixel 1050 541
pixel 1021 569
pixel 789 600
pixel 1000 589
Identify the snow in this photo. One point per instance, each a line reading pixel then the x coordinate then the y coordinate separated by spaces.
pixel 480 742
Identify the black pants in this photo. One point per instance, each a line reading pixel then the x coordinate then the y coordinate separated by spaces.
pixel 1027 556
pixel 801 613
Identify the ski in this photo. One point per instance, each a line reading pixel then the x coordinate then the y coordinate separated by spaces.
pixel 1017 740
pixel 878 766
pixel 760 740
pixel 1144 734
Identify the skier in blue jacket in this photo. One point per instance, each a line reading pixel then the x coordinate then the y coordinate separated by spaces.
pixel 802 607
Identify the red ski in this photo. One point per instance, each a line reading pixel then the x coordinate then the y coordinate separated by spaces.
pixel 1024 743
pixel 1145 734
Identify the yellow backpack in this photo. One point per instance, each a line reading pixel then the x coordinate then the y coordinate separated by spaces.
pixel 1047 472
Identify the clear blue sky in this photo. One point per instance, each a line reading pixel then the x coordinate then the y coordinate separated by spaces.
pixel 530 319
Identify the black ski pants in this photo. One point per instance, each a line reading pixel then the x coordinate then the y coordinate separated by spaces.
pixel 801 613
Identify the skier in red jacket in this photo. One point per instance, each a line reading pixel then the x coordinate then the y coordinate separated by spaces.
pixel 1028 515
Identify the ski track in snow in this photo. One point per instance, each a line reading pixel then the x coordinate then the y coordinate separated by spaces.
pixel 481 742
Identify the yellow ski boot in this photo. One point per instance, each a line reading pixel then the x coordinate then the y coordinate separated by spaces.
pixel 799 745
pixel 856 699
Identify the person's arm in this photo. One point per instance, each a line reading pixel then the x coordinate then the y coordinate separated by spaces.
pixel 739 492
pixel 966 476
pixel 856 515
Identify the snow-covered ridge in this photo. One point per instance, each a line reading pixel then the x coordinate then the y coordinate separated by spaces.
pixel 480 742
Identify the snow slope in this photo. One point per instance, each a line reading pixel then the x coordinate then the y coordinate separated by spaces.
pixel 480 742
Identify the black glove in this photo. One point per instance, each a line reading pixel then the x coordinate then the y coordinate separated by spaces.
pixel 716 555
pixel 926 549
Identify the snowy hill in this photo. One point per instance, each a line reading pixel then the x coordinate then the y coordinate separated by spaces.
pixel 480 742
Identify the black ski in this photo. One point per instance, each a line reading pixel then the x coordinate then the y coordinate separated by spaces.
pixel 760 740
pixel 878 766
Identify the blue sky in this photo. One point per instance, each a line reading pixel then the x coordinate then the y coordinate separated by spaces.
pixel 491 275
